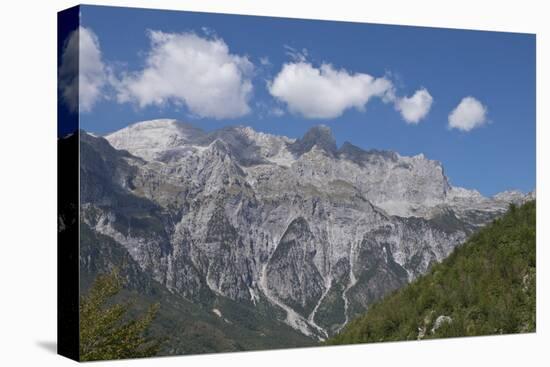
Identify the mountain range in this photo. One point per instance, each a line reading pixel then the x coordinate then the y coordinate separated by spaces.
pixel 263 235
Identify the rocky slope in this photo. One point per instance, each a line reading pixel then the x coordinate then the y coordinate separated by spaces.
pixel 312 231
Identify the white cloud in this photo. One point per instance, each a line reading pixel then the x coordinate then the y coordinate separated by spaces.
pixel 324 93
pixel 469 114
pixel 200 73
pixel 83 76
pixel 415 108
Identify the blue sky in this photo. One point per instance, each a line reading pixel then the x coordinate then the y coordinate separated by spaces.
pixel 364 91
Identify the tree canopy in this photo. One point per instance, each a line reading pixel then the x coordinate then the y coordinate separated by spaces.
pixel 106 330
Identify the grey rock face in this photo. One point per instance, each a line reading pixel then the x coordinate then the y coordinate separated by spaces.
pixel 442 319
pixel 291 271
pixel 316 232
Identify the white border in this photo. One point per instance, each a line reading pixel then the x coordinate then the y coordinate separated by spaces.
pixel 28 181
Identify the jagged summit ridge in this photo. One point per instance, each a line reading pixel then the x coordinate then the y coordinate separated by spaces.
pixel 319 136
pixel 400 185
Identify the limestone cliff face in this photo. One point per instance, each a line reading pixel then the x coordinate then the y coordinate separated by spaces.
pixel 316 232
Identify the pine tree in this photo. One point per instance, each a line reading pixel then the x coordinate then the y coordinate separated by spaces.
pixel 106 332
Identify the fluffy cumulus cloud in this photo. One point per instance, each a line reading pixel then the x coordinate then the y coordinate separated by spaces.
pixel 200 73
pixel 414 108
pixel 325 92
pixel 82 76
pixel 469 114
pixel 186 69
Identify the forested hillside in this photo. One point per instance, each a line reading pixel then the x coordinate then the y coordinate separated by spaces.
pixel 486 286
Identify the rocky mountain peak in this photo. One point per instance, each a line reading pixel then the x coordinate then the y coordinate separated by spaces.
pixel 320 136
pixel 146 139
pixel 513 196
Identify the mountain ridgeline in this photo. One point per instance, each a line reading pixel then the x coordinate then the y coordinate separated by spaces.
pixel 268 241
pixel 486 286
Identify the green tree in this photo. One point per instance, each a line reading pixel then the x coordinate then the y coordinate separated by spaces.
pixel 106 332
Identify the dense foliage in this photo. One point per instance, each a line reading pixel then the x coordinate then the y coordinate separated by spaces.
pixel 105 332
pixel 486 286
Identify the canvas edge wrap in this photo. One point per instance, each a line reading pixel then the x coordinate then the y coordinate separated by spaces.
pixel 68 203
